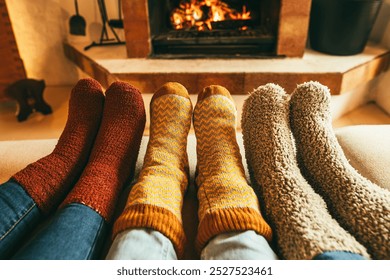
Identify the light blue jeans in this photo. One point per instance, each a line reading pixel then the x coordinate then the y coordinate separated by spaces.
pixel 148 244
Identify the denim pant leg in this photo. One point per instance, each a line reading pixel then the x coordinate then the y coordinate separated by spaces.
pixel 246 245
pixel 19 216
pixel 339 255
pixel 141 244
pixel 76 232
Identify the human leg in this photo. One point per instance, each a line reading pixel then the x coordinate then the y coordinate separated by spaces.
pixel 82 220
pixel 141 244
pixel 227 203
pixel 338 255
pixel 19 215
pixel 49 179
pixel 246 245
pixel 360 206
pixel 156 200
pixel 301 222
pixel 87 210
pixel 37 190
pixel 112 161
pixel 76 232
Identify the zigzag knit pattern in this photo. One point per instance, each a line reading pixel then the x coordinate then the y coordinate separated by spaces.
pixel 156 200
pixel 226 201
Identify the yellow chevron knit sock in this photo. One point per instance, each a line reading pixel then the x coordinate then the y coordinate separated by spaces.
pixel 156 200
pixel 226 202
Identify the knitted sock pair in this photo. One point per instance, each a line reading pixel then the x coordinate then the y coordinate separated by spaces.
pixel 96 152
pixel 226 201
pixel 303 226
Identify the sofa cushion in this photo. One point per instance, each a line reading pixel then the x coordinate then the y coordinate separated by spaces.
pixel 368 149
pixel 366 146
pixel 15 155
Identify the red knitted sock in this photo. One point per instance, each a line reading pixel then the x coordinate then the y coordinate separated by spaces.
pixel 49 179
pixel 113 157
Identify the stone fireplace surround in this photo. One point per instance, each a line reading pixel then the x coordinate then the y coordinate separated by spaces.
pixel 291 35
pixel 295 64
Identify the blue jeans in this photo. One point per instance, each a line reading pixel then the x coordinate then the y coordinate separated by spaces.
pixel 75 232
pixel 19 216
pixel 338 255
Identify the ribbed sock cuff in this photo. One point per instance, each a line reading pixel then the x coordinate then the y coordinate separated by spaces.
pixel 154 217
pixel 228 220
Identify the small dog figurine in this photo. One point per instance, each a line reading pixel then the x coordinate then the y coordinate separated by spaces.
pixel 29 95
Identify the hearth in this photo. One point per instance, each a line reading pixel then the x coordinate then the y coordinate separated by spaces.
pixel 189 28
pixel 219 28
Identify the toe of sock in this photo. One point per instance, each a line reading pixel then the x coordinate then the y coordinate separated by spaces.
pixel 269 90
pixel 88 84
pixel 311 96
pixel 269 96
pixel 214 90
pixel 171 88
pixel 119 87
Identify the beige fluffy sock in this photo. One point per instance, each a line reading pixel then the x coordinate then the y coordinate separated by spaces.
pixel 359 205
pixel 299 218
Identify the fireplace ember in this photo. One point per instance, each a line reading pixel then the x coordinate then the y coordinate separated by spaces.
pixel 204 15
pixel 222 28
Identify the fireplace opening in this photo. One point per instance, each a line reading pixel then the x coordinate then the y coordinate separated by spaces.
pixel 200 28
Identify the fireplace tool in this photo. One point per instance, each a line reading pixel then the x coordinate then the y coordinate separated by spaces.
pixel 105 40
pixel 117 23
pixel 77 23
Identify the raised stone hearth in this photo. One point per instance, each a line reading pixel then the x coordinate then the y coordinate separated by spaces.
pixel 341 74
pixel 293 62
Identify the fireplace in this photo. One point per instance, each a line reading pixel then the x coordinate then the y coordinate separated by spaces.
pixel 215 28
pixel 188 28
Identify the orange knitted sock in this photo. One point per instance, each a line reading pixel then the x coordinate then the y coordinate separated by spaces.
pixel 226 201
pixel 156 200
pixel 49 179
pixel 113 157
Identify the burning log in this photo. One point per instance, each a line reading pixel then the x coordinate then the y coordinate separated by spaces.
pixel 204 14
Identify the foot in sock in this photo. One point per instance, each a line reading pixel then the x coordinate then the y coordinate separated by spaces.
pixel 112 161
pixel 359 205
pixel 156 200
pixel 49 179
pixel 226 201
pixel 301 222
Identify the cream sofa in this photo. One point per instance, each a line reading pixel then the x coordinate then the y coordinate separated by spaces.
pixel 366 146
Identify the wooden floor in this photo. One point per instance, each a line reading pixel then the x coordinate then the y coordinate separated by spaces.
pixel 45 127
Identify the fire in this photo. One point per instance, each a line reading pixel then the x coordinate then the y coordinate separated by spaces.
pixel 200 14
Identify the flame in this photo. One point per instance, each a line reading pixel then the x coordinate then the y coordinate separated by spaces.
pixel 199 14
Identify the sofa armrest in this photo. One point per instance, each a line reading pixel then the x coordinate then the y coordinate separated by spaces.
pixel 368 150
